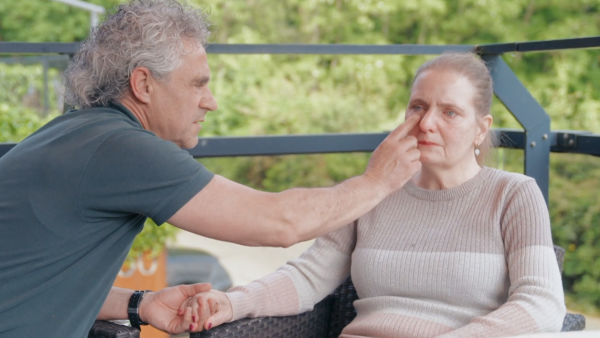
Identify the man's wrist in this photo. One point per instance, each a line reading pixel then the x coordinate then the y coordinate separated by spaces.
pixel 134 309
pixel 142 311
pixel 375 184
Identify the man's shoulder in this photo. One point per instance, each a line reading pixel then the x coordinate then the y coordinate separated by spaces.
pixel 90 128
pixel 69 141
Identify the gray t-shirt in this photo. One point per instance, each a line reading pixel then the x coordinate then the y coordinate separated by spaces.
pixel 73 196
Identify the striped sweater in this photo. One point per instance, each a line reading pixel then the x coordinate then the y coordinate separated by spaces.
pixel 472 261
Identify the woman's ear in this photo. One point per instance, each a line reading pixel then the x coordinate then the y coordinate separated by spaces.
pixel 485 123
pixel 140 84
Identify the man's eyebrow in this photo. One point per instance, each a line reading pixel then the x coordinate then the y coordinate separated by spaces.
pixel 202 80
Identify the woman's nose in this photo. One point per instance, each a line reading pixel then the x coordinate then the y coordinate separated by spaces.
pixel 428 120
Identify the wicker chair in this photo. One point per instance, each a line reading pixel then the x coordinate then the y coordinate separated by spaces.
pixel 326 320
pixel 102 329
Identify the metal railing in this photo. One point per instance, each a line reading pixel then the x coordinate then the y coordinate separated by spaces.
pixel 536 138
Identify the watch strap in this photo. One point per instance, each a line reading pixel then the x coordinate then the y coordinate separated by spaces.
pixel 133 309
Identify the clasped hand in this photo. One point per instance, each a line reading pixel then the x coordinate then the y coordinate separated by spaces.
pixel 208 309
pixel 165 309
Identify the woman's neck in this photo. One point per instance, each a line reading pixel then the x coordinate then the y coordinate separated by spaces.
pixel 438 178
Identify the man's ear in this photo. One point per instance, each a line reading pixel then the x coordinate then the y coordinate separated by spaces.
pixel 485 123
pixel 141 84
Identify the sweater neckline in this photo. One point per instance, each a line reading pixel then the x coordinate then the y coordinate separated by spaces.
pixel 448 194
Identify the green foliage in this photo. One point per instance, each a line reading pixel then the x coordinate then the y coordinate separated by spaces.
pixel 292 94
pixel 17 122
pixel 575 212
pixel 21 101
pixel 45 20
pixel 151 240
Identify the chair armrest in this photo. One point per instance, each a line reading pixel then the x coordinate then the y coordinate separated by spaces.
pixel 560 256
pixel 342 308
pixel 313 323
pixel 573 322
pixel 102 329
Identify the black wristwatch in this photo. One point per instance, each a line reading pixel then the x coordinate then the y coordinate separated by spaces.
pixel 133 309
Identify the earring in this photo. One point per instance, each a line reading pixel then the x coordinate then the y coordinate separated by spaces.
pixel 477 152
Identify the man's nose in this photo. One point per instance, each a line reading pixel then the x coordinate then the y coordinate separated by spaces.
pixel 209 102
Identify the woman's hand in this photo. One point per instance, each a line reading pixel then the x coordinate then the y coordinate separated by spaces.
pixel 212 304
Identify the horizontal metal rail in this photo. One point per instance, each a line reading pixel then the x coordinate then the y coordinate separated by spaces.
pixel 38 47
pixel 28 60
pixel 217 48
pixel 347 49
pixel 538 46
pixel 565 141
pixel 287 144
pixel 335 49
pixel 561 141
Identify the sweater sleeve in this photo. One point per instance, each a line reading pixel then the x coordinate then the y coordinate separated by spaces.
pixel 535 298
pixel 301 283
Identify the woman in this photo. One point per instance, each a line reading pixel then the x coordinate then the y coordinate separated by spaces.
pixel 461 251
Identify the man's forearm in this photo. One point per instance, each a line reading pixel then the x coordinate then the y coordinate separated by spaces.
pixel 115 305
pixel 317 211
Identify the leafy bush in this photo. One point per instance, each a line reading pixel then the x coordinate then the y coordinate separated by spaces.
pixel 17 122
pixel 21 89
pixel 575 214
pixel 151 240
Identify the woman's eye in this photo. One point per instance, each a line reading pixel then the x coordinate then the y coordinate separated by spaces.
pixel 451 113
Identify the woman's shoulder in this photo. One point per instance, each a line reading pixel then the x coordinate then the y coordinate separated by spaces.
pixel 507 181
pixel 502 175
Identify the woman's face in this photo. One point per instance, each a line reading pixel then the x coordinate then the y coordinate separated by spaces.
pixel 449 127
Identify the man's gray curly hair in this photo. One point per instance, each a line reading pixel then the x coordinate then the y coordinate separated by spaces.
pixel 148 33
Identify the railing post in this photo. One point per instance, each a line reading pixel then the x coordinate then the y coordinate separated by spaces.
pixel 536 122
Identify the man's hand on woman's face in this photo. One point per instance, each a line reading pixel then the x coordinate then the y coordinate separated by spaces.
pixel 212 308
pixel 396 159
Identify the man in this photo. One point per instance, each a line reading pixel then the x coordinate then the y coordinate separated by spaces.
pixel 75 193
